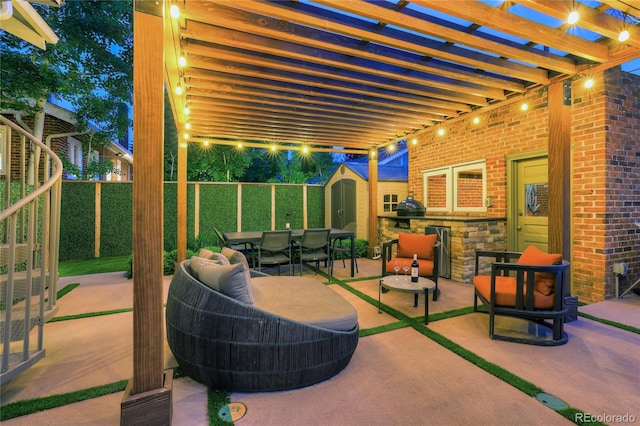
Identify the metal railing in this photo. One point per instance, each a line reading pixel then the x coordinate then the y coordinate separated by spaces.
pixel 29 241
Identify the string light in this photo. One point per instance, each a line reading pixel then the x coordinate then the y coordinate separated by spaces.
pixel 206 143
pixel 178 90
pixel 174 11
pixel 441 131
pixel 305 149
pixel 524 106
pixel 623 36
pixel 185 136
pixel 182 61
pixel 239 145
pixel 186 111
pixel 391 148
pixel 414 141
pixel 476 120
pixel 274 148
pixel 373 154
pixel 588 83
pixel 573 17
pixel 187 126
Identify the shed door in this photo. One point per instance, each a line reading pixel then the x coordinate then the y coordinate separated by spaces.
pixel 343 203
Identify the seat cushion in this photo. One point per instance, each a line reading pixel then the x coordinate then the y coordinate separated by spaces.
pixel 230 280
pixel 304 300
pixel 410 244
pixel 506 292
pixel 425 267
pixel 544 281
pixel 234 256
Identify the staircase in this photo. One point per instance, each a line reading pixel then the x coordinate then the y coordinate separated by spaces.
pixel 29 237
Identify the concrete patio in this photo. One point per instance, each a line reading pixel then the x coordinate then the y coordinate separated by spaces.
pixel 395 377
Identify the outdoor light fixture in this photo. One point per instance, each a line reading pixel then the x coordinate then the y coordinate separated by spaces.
pixel 186 111
pixel 624 34
pixel 187 125
pixel 573 17
pixel 274 147
pixel 239 145
pixel 182 61
pixel 178 90
pixel 414 141
pixel 441 131
pixel 391 148
pixel 305 149
pixel 476 120
pixel 206 143
pixel 524 106
pixel 185 136
pixel 174 11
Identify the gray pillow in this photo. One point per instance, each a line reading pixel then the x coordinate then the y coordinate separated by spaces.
pixel 234 256
pixel 197 262
pixel 208 254
pixel 231 280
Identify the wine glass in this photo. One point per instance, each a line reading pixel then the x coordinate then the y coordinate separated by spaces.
pixel 396 267
pixel 405 268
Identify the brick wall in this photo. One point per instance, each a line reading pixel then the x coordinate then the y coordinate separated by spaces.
pixel 605 135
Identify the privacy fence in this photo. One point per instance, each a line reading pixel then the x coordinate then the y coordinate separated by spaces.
pixel 96 217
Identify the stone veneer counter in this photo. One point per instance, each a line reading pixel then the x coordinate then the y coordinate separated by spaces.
pixel 466 235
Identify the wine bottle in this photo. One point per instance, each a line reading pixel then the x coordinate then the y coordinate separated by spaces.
pixel 414 269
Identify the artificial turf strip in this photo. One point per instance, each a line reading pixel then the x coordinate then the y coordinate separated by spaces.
pixel 98 265
pixel 216 399
pixel 90 314
pixel 383 328
pixel 66 289
pixel 30 406
pixel 611 323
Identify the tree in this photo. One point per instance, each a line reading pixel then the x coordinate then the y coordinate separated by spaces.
pixel 216 163
pixel 91 67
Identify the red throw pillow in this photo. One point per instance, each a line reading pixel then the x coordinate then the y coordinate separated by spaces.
pixel 544 282
pixel 410 244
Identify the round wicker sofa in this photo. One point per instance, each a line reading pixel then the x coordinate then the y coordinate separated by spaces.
pixel 226 344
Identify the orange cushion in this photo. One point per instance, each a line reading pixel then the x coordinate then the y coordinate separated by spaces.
pixel 506 292
pixel 544 282
pixel 425 267
pixel 410 244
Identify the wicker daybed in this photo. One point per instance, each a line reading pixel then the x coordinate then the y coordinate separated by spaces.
pixel 229 344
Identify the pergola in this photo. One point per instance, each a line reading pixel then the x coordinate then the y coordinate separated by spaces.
pixel 352 75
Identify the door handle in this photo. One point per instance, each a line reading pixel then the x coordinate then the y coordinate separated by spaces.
pixel 519 228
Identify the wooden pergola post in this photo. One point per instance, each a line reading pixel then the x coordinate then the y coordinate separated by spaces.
pixel 373 203
pixel 559 100
pixel 181 231
pixel 147 399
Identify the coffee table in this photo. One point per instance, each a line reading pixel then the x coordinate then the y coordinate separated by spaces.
pixel 403 284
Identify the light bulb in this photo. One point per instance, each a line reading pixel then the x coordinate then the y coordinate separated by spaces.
pixel 524 106
pixel 182 61
pixel 273 147
pixel 305 150
pixel 573 17
pixel 391 148
pixel 623 36
pixel 187 126
pixel 414 141
pixel 476 120
pixel 441 132
pixel 588 83
pixel 186 111
pixel 178 90
pixel 174 11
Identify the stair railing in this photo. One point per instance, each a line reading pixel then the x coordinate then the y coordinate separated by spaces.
pixel 29 247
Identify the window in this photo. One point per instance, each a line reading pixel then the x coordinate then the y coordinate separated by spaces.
pixel 458 188
pixel 390 203
pixel 4 148
pixel 75 156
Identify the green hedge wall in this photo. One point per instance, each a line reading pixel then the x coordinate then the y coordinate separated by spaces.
pixel 315 207
pixel 218 207
pixel 116 221
pixel 77 220
pixel 289 207
pixel 256 207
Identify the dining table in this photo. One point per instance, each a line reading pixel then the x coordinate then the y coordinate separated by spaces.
pixel 254 237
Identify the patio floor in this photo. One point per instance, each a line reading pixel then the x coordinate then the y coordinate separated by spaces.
pixel 395 377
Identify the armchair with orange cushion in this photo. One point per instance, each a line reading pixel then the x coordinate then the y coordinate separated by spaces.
pixel 527 285
pixel 407 246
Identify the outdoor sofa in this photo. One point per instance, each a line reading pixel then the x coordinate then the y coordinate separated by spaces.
pixel 240 330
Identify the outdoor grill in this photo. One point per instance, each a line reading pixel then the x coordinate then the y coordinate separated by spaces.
pixel 410 207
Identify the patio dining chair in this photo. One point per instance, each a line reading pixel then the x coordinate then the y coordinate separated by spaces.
pixel 248 249
pixel 275 249
pixel 314 247
pixel 337 247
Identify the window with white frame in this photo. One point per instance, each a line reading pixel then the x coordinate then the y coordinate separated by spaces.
pixel 4 148
pixel 75 155
pixel 457 188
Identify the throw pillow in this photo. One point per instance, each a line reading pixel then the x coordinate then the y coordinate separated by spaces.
pixel 544 282
pixel 410 244
pixel 197 262
pixel 234 256
pixel 231 280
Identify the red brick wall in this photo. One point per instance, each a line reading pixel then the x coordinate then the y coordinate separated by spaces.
pixel 605 144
